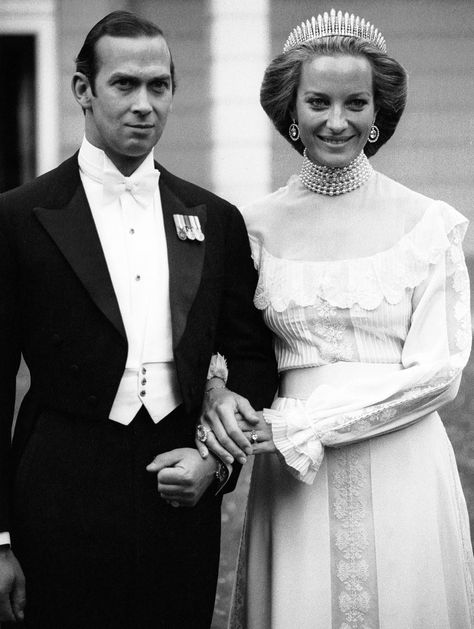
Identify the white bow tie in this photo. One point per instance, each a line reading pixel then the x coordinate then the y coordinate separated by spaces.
pixel 141 187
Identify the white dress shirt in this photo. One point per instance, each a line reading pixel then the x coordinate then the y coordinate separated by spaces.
pixel 133 239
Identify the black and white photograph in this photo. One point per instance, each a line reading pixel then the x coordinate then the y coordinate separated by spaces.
pixel 236 383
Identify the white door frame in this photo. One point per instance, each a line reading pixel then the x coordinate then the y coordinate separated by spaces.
pixel 38 18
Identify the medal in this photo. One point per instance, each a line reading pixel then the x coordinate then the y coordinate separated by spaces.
pixel 188 227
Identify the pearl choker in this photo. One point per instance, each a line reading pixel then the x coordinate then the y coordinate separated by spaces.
pixel 334 181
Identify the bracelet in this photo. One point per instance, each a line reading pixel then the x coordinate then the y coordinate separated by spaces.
pixel 218 368
pixel 212 388
pixel 221 472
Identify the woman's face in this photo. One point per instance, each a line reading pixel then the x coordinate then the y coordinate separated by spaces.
pixel 335 108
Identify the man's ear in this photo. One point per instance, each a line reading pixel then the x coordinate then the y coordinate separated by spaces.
pixel 82 90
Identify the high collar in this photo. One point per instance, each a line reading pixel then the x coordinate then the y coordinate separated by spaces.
pixel 335 180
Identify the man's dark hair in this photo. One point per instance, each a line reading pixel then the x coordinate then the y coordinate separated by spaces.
pixel 116 24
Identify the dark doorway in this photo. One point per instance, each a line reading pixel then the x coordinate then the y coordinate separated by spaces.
pixel 17 110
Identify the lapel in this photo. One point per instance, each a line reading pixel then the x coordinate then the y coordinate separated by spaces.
pixel 185 259
pixel 72 228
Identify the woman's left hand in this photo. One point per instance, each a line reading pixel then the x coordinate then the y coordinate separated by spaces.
pixel 259 435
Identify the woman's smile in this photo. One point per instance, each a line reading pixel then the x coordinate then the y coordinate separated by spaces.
pixel 335 141
pixel 335 108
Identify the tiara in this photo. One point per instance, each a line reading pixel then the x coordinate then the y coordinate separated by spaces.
pixel 330 24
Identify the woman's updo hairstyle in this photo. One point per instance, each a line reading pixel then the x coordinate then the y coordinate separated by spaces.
pixel 282 77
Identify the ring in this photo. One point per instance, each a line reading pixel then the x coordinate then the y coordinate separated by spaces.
pixel 202 432
pixel 253 436
pixel 174 503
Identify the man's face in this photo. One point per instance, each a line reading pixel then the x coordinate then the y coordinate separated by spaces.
pixel 133 94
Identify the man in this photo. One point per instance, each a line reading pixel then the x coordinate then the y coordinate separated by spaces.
pixel 119 281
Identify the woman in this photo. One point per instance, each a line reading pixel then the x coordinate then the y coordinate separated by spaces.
pixel 356 517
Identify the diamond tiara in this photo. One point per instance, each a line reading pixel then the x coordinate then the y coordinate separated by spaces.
pixel 333 23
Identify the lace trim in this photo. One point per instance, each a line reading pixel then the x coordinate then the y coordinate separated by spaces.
pixel 457 271
pixel 360 423
pixel 363 281
pixel 351 540
pixel 330 328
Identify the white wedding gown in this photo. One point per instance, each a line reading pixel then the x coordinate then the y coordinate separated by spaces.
pixel 359 521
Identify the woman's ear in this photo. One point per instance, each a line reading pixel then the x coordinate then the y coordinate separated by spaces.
pixel 82 90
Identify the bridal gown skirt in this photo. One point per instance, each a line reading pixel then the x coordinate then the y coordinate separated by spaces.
pixel 379 541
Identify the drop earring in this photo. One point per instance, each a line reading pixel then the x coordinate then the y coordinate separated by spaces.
pixel 293 131
pixel 374 134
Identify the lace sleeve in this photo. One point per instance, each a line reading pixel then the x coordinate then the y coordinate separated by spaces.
pixel 435 351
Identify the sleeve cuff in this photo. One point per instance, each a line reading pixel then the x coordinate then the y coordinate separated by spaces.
pixel 5 538
pixel 218 368
pixel 296 440
pixel 223 472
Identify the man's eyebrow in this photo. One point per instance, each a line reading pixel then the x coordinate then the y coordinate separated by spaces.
pixel 121 75
pixel 166 76
pixel 134 77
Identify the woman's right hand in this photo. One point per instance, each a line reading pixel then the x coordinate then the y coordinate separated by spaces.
pixel 230 428
pixel 221 414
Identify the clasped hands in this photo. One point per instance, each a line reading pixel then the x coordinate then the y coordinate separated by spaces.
pixel 233 432
pixel 232 429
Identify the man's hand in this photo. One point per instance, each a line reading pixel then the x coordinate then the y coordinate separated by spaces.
pixel 183 476
pixel 221 411
pixel 12 587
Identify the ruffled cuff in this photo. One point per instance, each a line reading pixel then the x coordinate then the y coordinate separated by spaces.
pixel 296 440
pixel 218 368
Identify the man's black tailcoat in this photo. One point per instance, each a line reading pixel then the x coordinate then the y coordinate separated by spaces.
pixel 98 545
